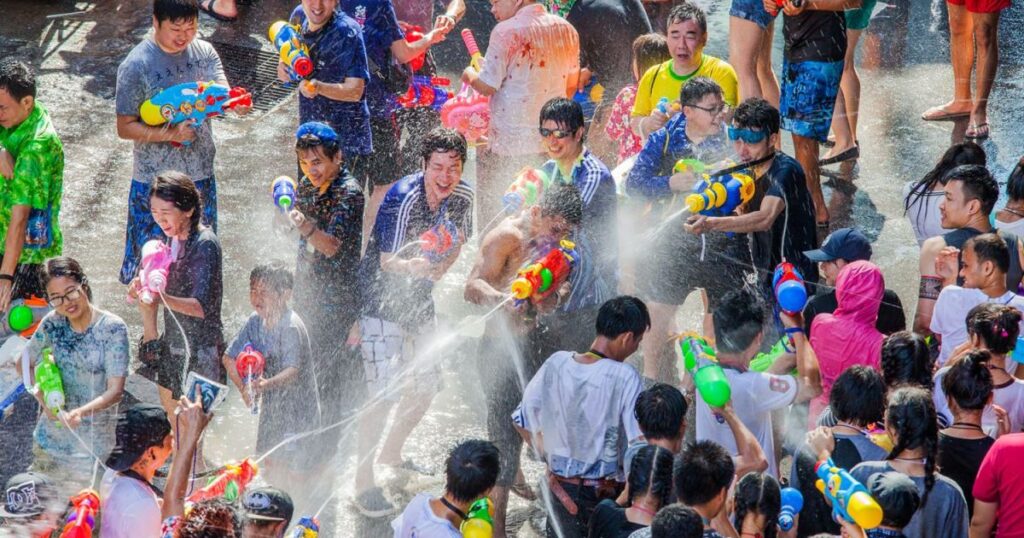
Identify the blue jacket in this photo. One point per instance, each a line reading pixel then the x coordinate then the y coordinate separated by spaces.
pixel 664 147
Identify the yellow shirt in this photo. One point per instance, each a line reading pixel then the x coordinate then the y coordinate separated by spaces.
pixel 661 81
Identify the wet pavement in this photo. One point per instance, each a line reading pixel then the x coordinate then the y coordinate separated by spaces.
pixel 76 58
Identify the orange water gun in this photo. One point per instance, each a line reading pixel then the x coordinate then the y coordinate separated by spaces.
pixel 540 279
pixel 83 516
pixel 229 484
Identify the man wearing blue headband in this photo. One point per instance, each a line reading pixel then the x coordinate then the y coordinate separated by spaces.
pixel 780 217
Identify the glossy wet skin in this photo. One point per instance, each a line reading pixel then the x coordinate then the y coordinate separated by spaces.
pixel 71 295
pixel 562 148
pixel 318 12
pixel 174 36
pixel 441 175
pixel 266 301
pixel 955 208
pixel 318 167
pixel 173 222
pixel 686 42
pixel 14 111
pixel 505 9
pixel 705 116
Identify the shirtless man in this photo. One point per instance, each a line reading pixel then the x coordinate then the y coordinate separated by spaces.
pixel 514 242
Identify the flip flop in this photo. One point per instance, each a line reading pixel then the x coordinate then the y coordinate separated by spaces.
pixel 977 132
pixel 206 6
pixel 848 155
pixel 937 113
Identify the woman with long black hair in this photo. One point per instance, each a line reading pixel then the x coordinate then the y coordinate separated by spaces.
pixel 649 488
pixel 921 199
pixel 756 505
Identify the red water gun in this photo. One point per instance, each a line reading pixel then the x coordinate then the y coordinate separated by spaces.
pixel 438 242
pixel 414 33
pixel 85 505
pixel 426 91
pixel 228 484
pixel 779 4
pixel 250 364
pixel 538 280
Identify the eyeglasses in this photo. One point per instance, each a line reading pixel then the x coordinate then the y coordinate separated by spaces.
pixel 56 300
pixel 558 133
pixel 714 111
pixel 747 135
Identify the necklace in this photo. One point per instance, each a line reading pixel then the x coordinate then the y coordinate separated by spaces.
pixel 1014 211
pixel 639 508
pixel 455 509
pixel 966 426
pixel 922 461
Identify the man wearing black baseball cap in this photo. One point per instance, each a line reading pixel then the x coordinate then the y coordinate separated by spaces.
pixel 267 512
pixel 30 504
pixel 841 247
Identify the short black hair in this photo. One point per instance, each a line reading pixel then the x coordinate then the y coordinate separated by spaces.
pixel 968 382
pixel 179 189
pixel 677 521
pixel 563 201
pixel 738 320
pixel 978 184
pixel 702 471
pixel 1015 182
pixel 990 248
pixel 471 469
pixel 564 112
pixel 443 140
pixel 17 78
pixel 64 266
pixel 660 411
pixel 758 493
pixel 756 113
pixel 906 359
pixel 309 142
pixel 275 274
pixel 998 326
pixel 686 11
pixel 175 10
pixel 623 314
pixel 696 89
pixel 858 396
pixel 212 518
pixel 650 473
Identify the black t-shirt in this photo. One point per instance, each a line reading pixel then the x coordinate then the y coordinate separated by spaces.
pixel 609 521
pixel 960 459
pixel 607 29
pixel 196 273
pixel 790 235
pixel 891 318
pixel 816 515
pixel 818 36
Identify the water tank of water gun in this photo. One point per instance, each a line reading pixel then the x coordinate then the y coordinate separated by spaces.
pixel 850 499
pixel 790 290
pixel 720 196
pixel 792 503
pixel 49 382
pixel 589 97
pixel 665 106
pixel 479 522
pixel 24 316
pixel 155 264
pixel 307 527
pixel 82 519
pixel 290 48
pixel 538 280
pixel 437 242
pixel 1018 350
pixel 283 190
pixel 526 189
pixel 707 374
pixel 250 363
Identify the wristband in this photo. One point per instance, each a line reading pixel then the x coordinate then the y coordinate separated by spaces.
pixel 794 330
pixel 9 278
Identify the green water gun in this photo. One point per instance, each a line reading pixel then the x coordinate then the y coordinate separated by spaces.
pixel 763 361
pixel 692 165
pixel 48 380
pixel 708 376
pixel 479 521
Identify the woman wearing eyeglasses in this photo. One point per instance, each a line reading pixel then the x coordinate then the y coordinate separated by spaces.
pixel 90 347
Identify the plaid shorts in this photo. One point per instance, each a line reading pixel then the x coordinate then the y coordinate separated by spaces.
pixel 388 351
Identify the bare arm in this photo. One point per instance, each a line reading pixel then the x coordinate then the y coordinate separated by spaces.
pixel 191 421
pixel 282 378
pixel 472 77
pixel 489 267
pixel 930 285
pixel 189 306
pixel 132 128
pixel 349 91
pixel 229 365
pixel 6 164
pixel 324 243
pixel 808 372
pixel 405 51
pixel 751 458
pixel 755 221
pixel 833 5
pixel 984 520
pixel 111 396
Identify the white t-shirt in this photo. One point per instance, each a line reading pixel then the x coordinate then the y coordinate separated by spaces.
pixel 924 215
pixel 1016 227
pixel 129 508
pixel 585 414
pixel 754 396
pixel 1010 397
pixel 949 319
pixel 419 521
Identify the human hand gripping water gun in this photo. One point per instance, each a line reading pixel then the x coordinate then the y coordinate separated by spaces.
pixel 589 97
pixel 426 91
pixel 792 503
pixel 157 257
pixel 80 523
pixel 250 364
pixel 850 499
pixel 438 242
pixel 779 4
pixel 50 383
pixel 526 189
pixel 291 49
pixel 468 112
pixel 229 484
pixel 194 101
pixel 538 280
pixel 708 376
pixel 479 522
pixel 283 191
pixel 307 527
pixel 790 291
pixel 665 106
pixel 718 196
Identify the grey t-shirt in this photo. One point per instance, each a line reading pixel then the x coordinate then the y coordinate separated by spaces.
pixel 145 72
pixel 945 511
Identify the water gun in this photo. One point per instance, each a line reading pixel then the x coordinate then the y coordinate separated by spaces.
pixel 1018 350
pixel 24 316
pixel 720 196
pixel 779 4
pixel 229 484
pixel 709 378
pixel 792 503
pixel 880 437
pixel 479 522
pixel 589 97
pixel 468 112
pixel 49 382
pixel 790 291
pixel 438 242
pixel 426 91
pixel 414 33
pixel 283 190
pixel 10 398
pixel 526 189
pixel 195 101
pixel 850 499
pixel 156 262
pixel 665 106
pixel 537 280
pixel 307 527
pixel 476 59
pixel 250 364
pixel 291 49
pixel 695 166
pixel 80 523
pixel 763 361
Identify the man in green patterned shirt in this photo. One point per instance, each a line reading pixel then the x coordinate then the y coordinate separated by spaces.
pixel 32 167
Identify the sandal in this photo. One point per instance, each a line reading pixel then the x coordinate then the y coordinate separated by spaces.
pixel 207 7
pixel 939 113
pixel 977 132
pixel 848 155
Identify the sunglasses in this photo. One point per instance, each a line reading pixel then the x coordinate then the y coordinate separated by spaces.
pixel 747 135
pixel 558 133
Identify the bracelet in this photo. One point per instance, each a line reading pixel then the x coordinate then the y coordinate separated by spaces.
pixel 794 330
pixel 9 278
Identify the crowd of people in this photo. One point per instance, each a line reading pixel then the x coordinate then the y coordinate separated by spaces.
pixel 583 367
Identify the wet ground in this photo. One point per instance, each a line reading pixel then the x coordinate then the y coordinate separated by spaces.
pixel 76 47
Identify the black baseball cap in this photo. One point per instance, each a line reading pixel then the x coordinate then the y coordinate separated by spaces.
pixel 139 427
pixel 845 243
pixel 267 504
pixel 27 495
pixel 897 494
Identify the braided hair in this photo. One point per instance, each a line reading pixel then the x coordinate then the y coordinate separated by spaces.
pixel 758 493
pixel 650 473
pixel 912 420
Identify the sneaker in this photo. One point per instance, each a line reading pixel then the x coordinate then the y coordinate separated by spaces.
pixel 372 503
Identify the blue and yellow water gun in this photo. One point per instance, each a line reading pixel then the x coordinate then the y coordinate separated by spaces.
pixel 196 101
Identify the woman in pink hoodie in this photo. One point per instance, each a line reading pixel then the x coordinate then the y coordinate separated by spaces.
pixel 848 336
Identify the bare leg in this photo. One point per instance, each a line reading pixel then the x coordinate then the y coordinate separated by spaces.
pixel 961 47
pixel 985 28
pixel 226 8
pixel 840 127
pixel 662 324
pixel 765 73
pixel 499 495
pixel 850 83
pixel 370 430
pixel 807 156
pixel 413 407
pixel 745 40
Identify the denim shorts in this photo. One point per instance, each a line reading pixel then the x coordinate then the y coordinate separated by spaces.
pixel 809 92
pixel 751 10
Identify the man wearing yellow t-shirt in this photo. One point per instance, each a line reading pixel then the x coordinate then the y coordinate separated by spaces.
pixel 687 35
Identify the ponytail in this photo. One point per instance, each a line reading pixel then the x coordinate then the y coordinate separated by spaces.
pixel 911 417
pixel 997 325
pixel 969 382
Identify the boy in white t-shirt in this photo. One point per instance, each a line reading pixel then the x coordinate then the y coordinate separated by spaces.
pixel 738 320
pixel 986 259
pixel 471 471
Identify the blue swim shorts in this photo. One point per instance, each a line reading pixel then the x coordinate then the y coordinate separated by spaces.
pixel 809 92
pixel 751 10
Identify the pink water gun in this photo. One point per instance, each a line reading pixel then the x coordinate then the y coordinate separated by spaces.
pixel 476 59
pixel 156 262
pixel 250 364
pixel 468 112
pixel 83 517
